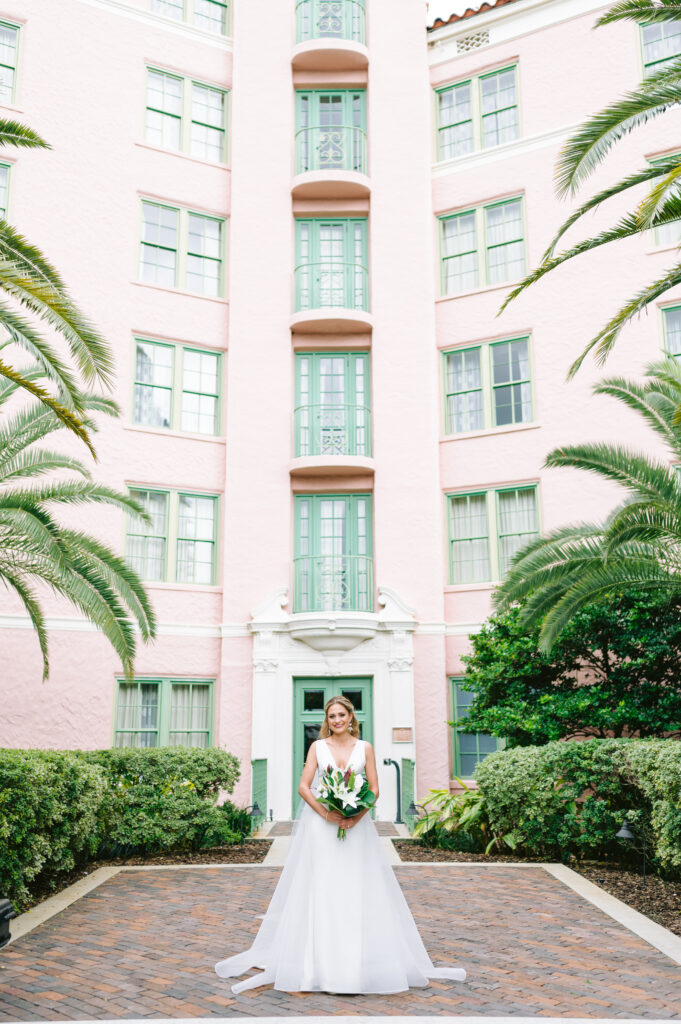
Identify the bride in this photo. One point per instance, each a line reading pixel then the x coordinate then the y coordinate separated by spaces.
pixel 338 921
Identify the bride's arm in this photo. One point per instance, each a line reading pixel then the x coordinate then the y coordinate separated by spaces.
pixel 333 817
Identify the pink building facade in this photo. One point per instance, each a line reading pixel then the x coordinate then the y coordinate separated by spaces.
pixel 296 220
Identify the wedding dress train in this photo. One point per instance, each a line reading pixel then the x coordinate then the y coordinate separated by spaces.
pixel 338 921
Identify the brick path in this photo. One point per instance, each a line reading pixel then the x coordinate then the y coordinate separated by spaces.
pixel 284 828
pixel 144 944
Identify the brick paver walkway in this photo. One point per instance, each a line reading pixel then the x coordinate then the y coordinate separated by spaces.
pixel 144 944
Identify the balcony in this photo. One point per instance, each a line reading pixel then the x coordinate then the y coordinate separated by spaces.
pixel 331 35
pixel 332 297
pixel 334 440
pixel 331 163
pixel 333 583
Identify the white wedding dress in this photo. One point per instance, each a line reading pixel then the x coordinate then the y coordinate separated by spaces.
pixel 338 921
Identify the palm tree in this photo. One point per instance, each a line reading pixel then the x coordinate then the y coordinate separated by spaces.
pixel 586 149
pixel 637 546
pixel 36 548
pixel 37 293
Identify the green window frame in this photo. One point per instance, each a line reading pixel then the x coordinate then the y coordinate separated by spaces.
pixel 660 44
pixel 332 404
pixel 180 545
pixel 164 712
pixel 186 116
pixel 5 170
pixel 487 385
pixel 342 19
pixel 332 261
pixel 333 553
pixel 331 130
pixel 468 749
pixel 671 328
pixel 477 113
pixel 177 387
pixel 482 247
pixel 181 248
pixel 9 60
pixel 485 529
pixel 209 15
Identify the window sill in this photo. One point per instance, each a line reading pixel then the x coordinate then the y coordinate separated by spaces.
pixel 462 588
pixel 219 164
pixel 505 286
pixel 674 247
pixel 491 432
pixel 137 428
pixel 183 588
pixel 12 107
pixel 180 291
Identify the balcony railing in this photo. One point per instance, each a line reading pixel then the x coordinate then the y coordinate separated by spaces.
pixel 337 148
pixel 334 583
pixel 332 430
pixel 331 284
pixel 331 19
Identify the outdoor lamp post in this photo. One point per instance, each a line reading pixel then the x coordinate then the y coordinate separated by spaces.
pixel 413 812
pixel 254 812
pixel 627 833
pixel 7 913
pixel 389 760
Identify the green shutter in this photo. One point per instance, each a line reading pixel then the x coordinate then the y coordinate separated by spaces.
pixel 407 790
pixel 259 787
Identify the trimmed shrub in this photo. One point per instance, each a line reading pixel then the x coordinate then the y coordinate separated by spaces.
pixel 49 807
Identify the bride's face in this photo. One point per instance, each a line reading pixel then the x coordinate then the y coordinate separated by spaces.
pixel 339 719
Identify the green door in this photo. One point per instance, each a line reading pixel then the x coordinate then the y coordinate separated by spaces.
pixel 309 698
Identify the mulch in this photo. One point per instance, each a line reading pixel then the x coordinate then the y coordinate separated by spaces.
pixel 659 898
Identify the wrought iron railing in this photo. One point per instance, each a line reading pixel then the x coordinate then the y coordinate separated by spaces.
pixel 331 19
pixel 331 283
pixel 333 583
pixel 331 148
pixel 333 430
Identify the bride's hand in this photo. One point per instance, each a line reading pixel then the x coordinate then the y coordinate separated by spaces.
pixel 336 818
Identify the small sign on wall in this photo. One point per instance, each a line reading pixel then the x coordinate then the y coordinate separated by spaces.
pixel 401 735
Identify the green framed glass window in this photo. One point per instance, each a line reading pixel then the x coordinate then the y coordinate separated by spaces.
pixel 671 319
pixel 477 113
pixel 661 43
pixel 163 121
pixel 483 246
pixel 164 713
pixel 331 19
pixel 332 414
pixel 486 528
pixel 173 103
pixel 4 189
pixel 331 130
pixel 9 49
pixel 487 386
pixel 332 264
pixel 333 563
pixel 207 15
pixel 180 544
pixel 208 123
pixel 181 249
pixel 176 387
pixel 468 749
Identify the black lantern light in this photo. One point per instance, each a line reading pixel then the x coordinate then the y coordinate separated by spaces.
pixel 628 833
pixel 254 813
pixel 7 914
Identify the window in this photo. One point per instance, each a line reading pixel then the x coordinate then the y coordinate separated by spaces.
pixel 661 44
pixel 176 387
pixel 468 749
pixel 667 235
pixel 181 249
pixel 333 567
pixel 477 114
pixel 331 131
pixel 332 415
pixel 487 386
pixel 9 45
pixel 331 264
pixel 671 319
pixel 484 246
pixel 4 189
pixel 180 543
pixel 341 19
pixel 486 528
pixel 209 15
pixel 164 713
pixel 173 103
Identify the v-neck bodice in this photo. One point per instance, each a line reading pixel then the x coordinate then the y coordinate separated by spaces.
pixel 325 759
pixel 329 748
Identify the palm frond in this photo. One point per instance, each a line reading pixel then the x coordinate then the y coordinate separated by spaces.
pixel 12 133
pixel 14 580
pixel 642 11
pixel 68 418
pixel 655 201
pixel 620 465
pixel 649 400
pixel 22 333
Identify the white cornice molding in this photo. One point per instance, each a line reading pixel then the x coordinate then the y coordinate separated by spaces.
pixel 518 147
pixel 178 28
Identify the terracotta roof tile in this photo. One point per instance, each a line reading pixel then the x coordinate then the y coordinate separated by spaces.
pixel 470 12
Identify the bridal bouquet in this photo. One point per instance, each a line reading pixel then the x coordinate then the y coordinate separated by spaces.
pixel 347 792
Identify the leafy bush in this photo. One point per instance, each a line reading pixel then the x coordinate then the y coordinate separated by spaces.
pixel 456 821
pixel 49 807
pixel 164 798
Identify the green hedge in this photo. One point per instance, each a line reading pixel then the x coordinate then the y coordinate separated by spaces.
pixel 59 809
pixel 570 798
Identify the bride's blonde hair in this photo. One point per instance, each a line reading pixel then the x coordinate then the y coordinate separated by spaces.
pixel 325 732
